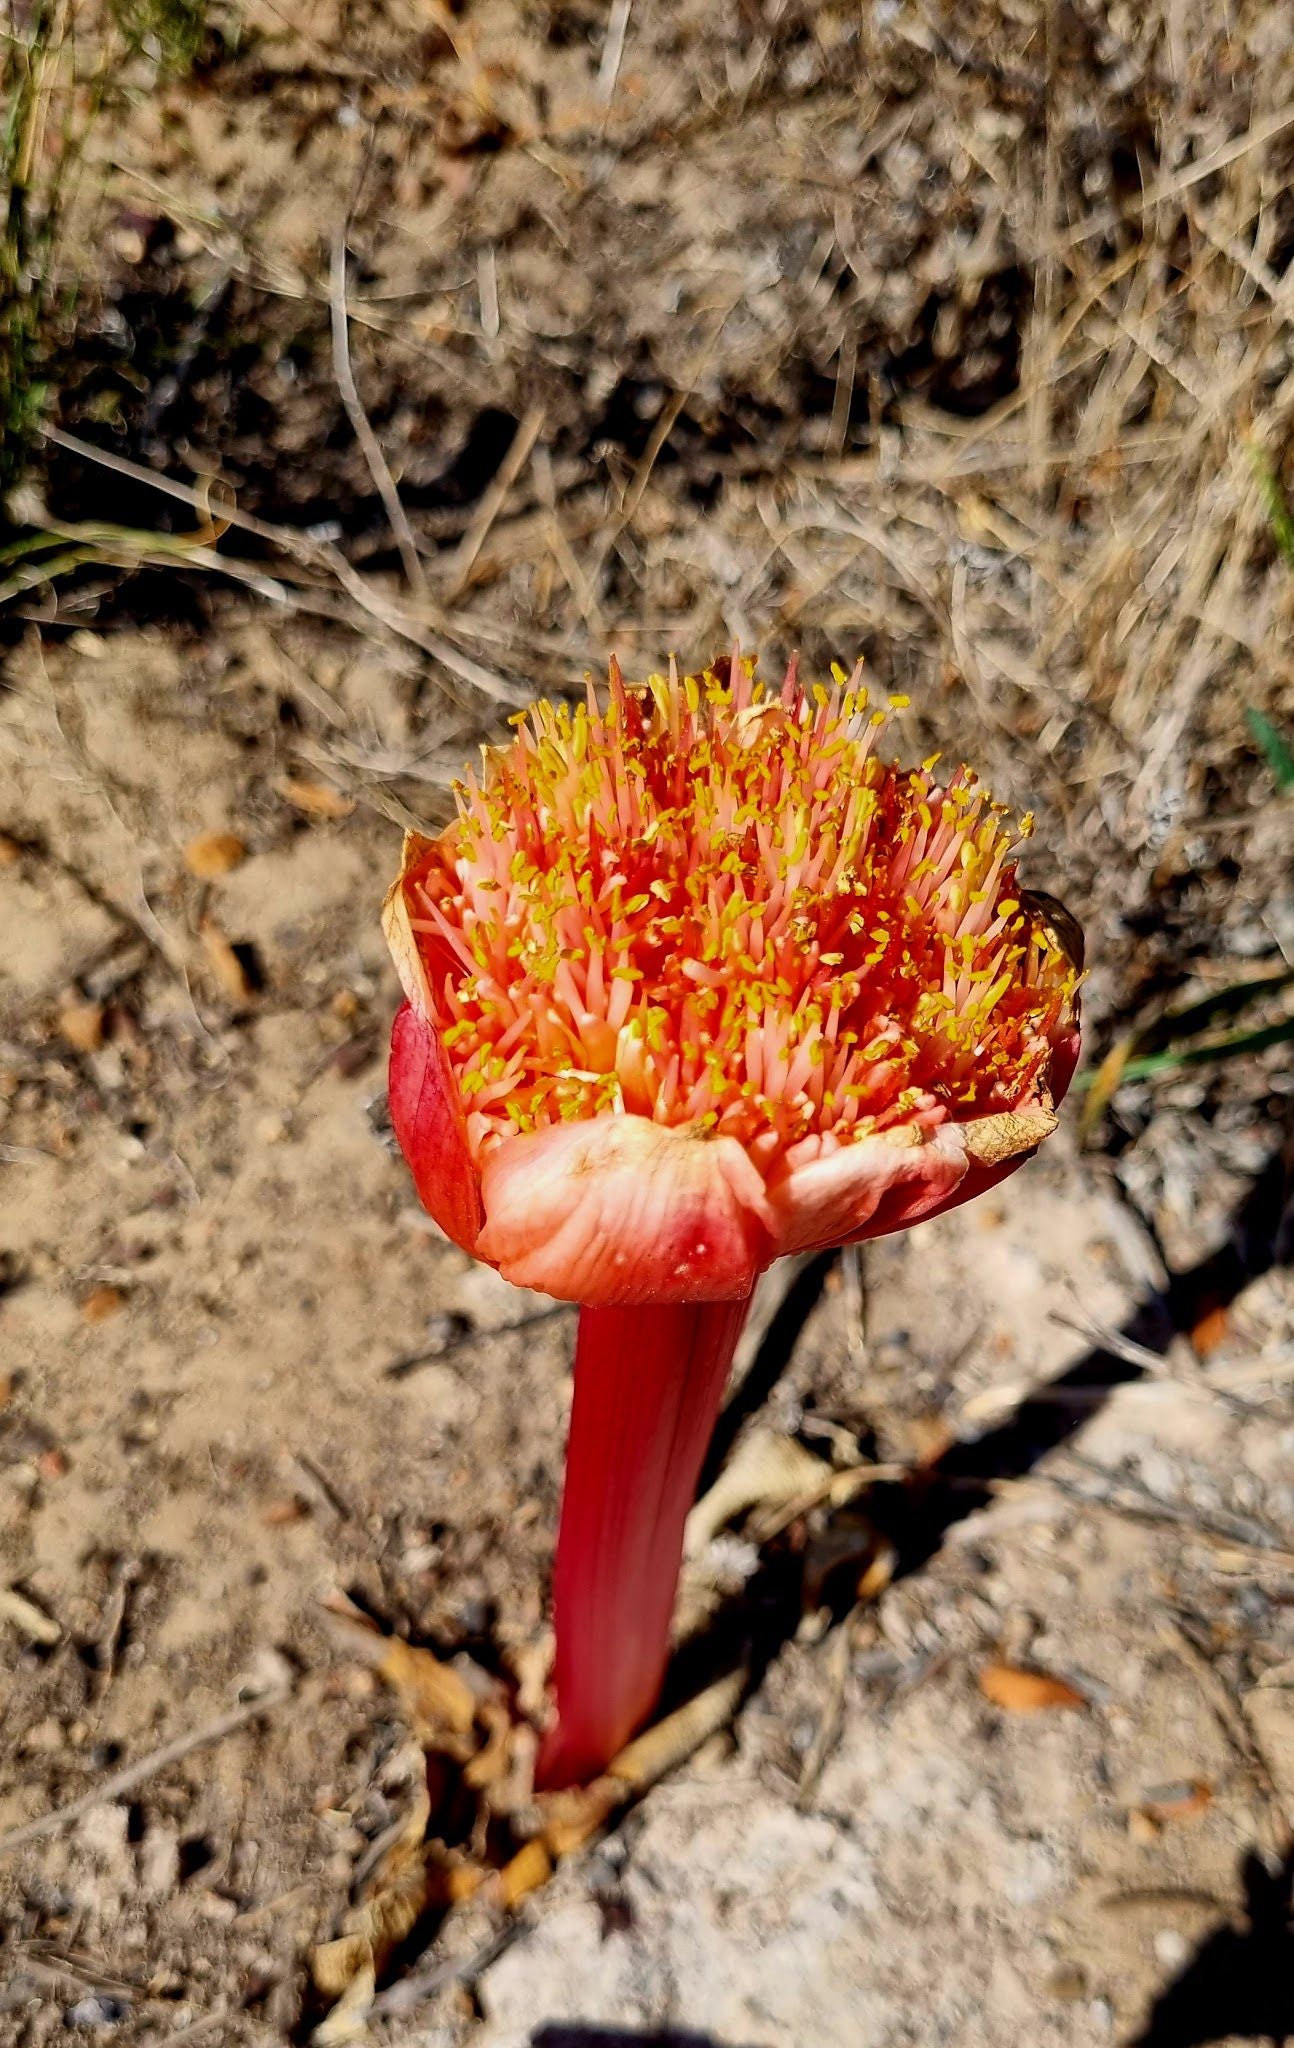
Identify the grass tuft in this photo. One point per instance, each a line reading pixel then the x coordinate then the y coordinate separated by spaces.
pixel 171 31
pixel 28 67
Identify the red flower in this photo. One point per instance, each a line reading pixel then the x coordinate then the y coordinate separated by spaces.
pixel 692 983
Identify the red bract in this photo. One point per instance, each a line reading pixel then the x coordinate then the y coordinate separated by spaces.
pixel 691 983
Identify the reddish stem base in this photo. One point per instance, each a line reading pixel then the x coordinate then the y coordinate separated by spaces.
pixel 648 1382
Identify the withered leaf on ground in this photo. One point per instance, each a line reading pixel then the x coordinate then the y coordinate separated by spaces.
pixel 316 799
pixel 1020 1691
pixel 213 854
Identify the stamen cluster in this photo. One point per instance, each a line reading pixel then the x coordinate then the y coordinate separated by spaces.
pixel 719 908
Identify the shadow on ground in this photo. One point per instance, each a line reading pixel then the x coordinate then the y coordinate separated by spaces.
pixel 917 1515
pixel 575 2036
pixel 1239 1984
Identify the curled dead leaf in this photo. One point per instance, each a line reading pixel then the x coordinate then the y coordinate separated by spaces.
pixel 573 1818
pixel 102 1303
pixel 213 854
pixel 227 964
pixel 394 1899
pixel 80 1025
pixel 494 1759
pixel 525 1872
pixel 347 2021
pixel 1183 1801
pixel 1020 1691
pixel 316 799
pixel 991 1140
pixel 768 1471
pixel 663 1748
pixel 432 1694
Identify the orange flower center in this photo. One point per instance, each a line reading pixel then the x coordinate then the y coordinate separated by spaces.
pixel 722 910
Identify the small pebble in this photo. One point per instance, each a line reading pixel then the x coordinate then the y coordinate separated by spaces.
pixel 100 2009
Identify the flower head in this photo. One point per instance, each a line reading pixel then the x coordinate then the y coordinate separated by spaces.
pixel 703 977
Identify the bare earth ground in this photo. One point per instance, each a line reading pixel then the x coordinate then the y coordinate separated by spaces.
pixel 936 333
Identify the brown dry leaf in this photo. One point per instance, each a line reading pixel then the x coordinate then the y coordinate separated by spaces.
pixel 493 1760
pixel 1185 1801
pixel 431 1693
pixel 1211 1330
pixel 224 962
pixel 102 1302
pixel 316 799
pixel 1007 1134
pixel 528 1869
pixel 1026 1692
pixel 348 2019
pixel 214 853
pixel 396 1895
pixel 80 1025
pixel 768 1471
pixel 663 1748
pixel 572 1818
pixel 334 1965
pixel 451 1878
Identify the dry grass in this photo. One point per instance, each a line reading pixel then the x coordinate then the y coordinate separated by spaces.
pixel 963 340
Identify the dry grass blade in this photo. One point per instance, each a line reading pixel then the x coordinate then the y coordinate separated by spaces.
pixel 492 502
pixel 308 592
pixel 133 1775
pixel 379 468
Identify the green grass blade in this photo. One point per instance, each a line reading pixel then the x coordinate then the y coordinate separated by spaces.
pixel 1233 1047
pixel 1274 500
pixel 1274 746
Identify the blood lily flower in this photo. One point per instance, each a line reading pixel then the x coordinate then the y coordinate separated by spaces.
pixel 690 983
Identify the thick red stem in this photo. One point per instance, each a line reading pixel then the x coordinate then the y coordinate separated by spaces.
pixel 648 1382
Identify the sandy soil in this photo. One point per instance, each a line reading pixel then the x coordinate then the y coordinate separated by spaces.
pixel 791 323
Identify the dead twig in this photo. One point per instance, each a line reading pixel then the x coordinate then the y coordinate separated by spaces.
pixel 613 49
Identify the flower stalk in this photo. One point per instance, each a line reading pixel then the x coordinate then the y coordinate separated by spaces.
pixel 648 1383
